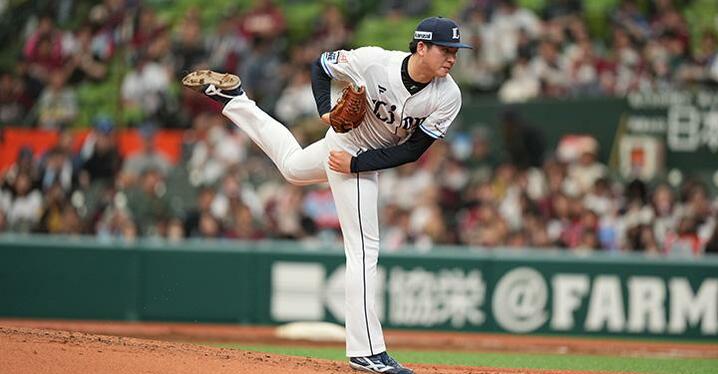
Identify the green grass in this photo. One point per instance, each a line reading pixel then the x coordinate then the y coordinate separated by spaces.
pixel 512 360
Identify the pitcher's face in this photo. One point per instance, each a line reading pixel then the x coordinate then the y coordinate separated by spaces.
pixel 439 59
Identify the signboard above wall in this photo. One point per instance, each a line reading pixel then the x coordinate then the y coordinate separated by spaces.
pixel 647 134
pixel 687 123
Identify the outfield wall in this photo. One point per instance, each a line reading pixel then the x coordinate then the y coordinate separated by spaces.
pixel 521 291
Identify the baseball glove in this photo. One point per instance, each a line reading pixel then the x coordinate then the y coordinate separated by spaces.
pixel 349 111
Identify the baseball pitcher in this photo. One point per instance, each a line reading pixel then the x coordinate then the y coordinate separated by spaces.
pixel 395 106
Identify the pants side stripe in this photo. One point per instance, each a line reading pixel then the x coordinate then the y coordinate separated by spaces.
pixel 363 252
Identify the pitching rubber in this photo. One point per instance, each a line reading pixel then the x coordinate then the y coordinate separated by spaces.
pixel 197 80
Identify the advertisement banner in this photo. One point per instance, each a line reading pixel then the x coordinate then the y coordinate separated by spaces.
pixel 686 121
pixel 541 295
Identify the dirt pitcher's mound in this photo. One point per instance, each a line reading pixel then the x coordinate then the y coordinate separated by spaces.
pixel 39 351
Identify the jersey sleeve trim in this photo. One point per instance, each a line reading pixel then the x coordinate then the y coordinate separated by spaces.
pixel 433 134
pixel 325 66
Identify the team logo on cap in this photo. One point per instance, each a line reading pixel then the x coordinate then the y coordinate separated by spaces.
pixel 422 35
pixel 456 32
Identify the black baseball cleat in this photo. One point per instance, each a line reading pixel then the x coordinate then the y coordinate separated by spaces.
pixel 221 87
pixel 378 363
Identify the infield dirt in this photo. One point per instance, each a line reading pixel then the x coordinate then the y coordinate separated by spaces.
pixel 71 347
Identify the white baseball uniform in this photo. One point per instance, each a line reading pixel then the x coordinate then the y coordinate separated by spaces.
pixel 394 115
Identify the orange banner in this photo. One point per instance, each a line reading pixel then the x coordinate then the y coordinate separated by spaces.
pixel 169 142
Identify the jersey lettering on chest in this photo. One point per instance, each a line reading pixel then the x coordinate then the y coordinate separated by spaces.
pixel 386 112
pixel 392 114
pixel 409 122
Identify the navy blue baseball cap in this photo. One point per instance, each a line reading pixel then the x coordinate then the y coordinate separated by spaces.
pixel 440 31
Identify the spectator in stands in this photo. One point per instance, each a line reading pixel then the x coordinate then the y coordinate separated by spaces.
pixel 13 103
pixel 697 205
pixel 148 157
pixel 559 217
pixel 482 159
pixel 226 45
pixel 100 158
pixel 216 149
pixel 588 228
pixel 188 47
pixel 57 169
pixel 522 84
pixel 582 60
pixel 24 164
pixel 536 231
pixel 3 220
pixel 398 185
pixel 59 216
pixel 468 223
pixel 623 63
pixel 396 231
pixel 205 196
pixel 159 50
pixel 677 51
pixel 296 101
pixel 145 88
pixel 319 207
pixel 550 69
pixel 586 170
pixel 494 229
pixel 589 241
pixel 453 178
pixel 667 19
pixel 233 193
pixel 685 241
pixel 517 239
pixel 663 204
pixel 148 203
pixel 285 218
pixel 509 21
pixel 703 67
pixel 408 8
pixel 242 224
pixel 146 28
pixel 116 224
pixel 260 72
pixel 118 13
pixel 103 32
pixel 71 221
pixel 23 204
pixel 480 69
pixel 175 230
pixel 43 53
pixel 264 20
pixel 562 10
pixel 209 226
pixel 426 222
pixel 331 31
pixel 708 58
pixel 628 16
pixel 57 106
pixel 85 64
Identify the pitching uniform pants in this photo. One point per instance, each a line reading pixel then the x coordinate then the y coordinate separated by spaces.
pixel 356 199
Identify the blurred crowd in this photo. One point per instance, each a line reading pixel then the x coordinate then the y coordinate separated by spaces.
pixel 460 192
pixel 457 193
pixel 524 55
pixel 124 61
pixel 138 56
